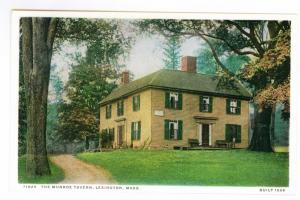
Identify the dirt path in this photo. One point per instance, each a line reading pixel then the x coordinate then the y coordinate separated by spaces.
pixel 77 171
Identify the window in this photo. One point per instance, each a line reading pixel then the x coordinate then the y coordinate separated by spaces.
pixel 136 130
pixel 205 104
pixel 136 103
pixel 233 106
pixel 108 111
pixel 120 108
pixel 173 129
pixel 173 100
pixel 233 133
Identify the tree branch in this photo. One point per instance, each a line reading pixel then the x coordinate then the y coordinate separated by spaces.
pixel 237 51
pixel 216 56
pixel 51 35
pixel 239 28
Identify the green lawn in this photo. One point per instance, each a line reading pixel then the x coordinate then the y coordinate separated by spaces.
pixel 208 168
pixel 56 176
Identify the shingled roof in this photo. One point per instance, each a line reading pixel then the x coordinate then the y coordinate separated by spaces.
pixel 180 81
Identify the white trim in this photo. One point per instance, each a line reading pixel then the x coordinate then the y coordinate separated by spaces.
pixel 210 127
pixel 200 134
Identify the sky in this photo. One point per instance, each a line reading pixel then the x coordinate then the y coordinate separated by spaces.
pixel 144 57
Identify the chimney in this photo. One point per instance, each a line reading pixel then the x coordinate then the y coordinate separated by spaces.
pixel 125 77
pixel 188 64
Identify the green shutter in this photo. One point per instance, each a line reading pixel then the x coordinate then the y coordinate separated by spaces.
pixel 138 100
pixel 118 108
pixel 167 132
pixel 180 124
pixel 238 135
pixel 228 135
pixel 132 125
pixel 228 106
pixel 200 103
pixel 167 100
pixel 238 107
pixel 106 113
pixel 133 105
pixel 179 101
pixel 210 106
pixel 139 130
pixel 122 107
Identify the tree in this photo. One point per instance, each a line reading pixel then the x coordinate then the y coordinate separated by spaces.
pixel 255 39
pixel 90 80
pixel 37 42
pixel 271 76
pixel 87 86
pixel 171 52
pixel 22 128
pixel 38 35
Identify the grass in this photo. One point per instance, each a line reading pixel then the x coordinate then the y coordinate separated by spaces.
pixel 207 168
pixel 281 149
pixel 56 173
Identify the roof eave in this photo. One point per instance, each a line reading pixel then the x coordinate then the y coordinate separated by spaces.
pixel 242 97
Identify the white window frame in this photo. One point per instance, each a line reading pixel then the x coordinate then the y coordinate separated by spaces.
pixel 233 105
pixel 135 101
pixel 175 96
pixel 175 124
pixel 205 102
pixel 135 130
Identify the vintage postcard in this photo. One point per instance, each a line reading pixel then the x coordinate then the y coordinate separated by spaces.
pixel 181 102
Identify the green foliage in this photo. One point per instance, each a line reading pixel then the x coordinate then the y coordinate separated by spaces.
pixel 171 51
pixel 102 37
pixel 205 168
pixel 55 100
pixel 206 63
pixel 56 176
pixel 235 62
pixel 92 78
pixel 106 139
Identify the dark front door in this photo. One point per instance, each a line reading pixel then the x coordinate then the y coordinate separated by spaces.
pixel 120 135
pixel 205 134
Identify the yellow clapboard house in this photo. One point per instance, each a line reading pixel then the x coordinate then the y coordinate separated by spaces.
pixel 177 108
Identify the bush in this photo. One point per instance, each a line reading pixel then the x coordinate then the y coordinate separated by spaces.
pixel 107 138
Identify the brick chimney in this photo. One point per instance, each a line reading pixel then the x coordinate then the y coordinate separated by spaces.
pixel 188 64
pixel 125 77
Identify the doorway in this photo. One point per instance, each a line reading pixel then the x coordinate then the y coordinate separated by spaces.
pixel 120 135
pixel 205 134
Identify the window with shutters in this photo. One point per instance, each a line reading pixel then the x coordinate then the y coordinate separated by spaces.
pixel 205 104
pixel 108 111
pixel 173 100
pixel 173 129
pixel 136 130
pixel 136 103
pixel 233 133
pixel 233 106
pixel 120 108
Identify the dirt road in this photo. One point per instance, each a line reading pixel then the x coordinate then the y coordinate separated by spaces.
pixel 77 171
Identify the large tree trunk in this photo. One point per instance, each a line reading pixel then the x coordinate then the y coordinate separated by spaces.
pixel 261 140
pixel 38 35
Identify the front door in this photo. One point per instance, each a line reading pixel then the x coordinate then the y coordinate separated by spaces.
pixel 120 135
pixel 205 134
